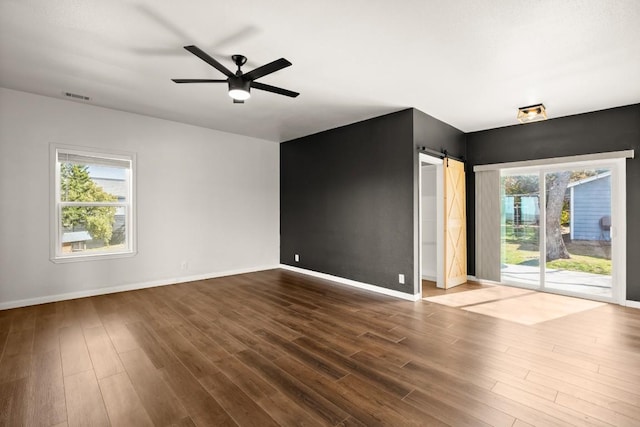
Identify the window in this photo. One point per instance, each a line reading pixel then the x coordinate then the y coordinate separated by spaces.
pixel 93 204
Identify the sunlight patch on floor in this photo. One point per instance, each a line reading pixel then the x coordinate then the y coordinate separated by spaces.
pixel 478 296
pixel 516 305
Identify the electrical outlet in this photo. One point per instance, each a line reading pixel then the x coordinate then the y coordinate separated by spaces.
pixel 184 265
pixel 401 279
pixel 296 257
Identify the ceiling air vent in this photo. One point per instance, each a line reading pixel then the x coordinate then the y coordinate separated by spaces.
pixel 76 96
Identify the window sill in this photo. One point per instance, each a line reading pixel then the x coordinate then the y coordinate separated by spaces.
pixel 97 257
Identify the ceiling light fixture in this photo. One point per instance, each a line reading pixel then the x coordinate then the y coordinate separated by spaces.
pixel 239 88
pixel 532 113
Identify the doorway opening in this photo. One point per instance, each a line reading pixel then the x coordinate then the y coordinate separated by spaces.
pixel 431 188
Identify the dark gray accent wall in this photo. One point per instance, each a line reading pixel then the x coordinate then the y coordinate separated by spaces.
pixel 437 135
pixel 615 129
pixel 349 197
pixel 346 201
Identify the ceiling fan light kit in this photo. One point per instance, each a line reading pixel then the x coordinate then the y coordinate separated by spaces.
pixel 240 83
pixel 239 89
pixel 532 113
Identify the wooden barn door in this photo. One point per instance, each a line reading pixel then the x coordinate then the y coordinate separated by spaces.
pixel 455 224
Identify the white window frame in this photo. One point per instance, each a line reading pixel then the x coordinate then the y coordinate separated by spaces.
pixel 56 254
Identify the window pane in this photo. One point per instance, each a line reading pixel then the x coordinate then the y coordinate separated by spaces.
pixel 93 229
pixel 578 225
pixel 93 183
pixel 521 229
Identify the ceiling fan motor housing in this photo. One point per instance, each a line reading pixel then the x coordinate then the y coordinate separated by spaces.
pixel 238 83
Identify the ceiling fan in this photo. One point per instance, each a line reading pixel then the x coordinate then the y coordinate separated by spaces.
pixel 240 83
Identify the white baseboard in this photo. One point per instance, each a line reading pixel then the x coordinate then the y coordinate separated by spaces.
pixel 355 284
pixel 129 287
pixel 632 304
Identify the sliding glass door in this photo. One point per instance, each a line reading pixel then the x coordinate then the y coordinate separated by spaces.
pixel 578 231
pixel 520 195
pixel 556 227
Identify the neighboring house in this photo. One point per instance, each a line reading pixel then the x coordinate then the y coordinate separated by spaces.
pixel 591 208
pixel 73 241
pixel 117 187
pixel 521 209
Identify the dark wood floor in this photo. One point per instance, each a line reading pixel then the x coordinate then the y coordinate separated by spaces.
pixel 279 348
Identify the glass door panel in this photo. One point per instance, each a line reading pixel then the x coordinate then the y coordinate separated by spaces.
pixel 578 232
pixel 520 228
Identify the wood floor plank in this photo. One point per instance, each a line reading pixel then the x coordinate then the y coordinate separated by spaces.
pixel 552 409
pixel 248 339
pixel 352 400
pixel 620 373
pixel 409 414
pixel 23 319
pixel 247 379
pixel 121 338
pixel 85 406
pixel 16 358
pixel 217 334
pixel 598 412
pixel 186 353
pixel 152 345
pixel 86 313
pixel 357 368
pixel 207 346
pixel 158 399
pixel 473 414
pixel 312 402
pixel 46 334
pixel 609 398
pixel 4 334
pixel 74 351
pixel 122 402
pixel 318 364
pixel 343 345
pixel 240 407
pixel 104 358
pixel 449 388
pixel 13 399
pixel 46 393
pixel 201 406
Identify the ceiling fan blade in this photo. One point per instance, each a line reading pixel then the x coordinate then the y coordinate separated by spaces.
pixel 274 89
pixel 209 60
pixel 199 81
pixel 269 68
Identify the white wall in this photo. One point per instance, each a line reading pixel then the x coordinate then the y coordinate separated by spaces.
pixel 429 223
pixel 206 197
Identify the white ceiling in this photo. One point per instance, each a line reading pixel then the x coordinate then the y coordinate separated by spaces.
pixel 469 63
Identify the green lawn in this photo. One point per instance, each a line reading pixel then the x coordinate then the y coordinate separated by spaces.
pixel 588 257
